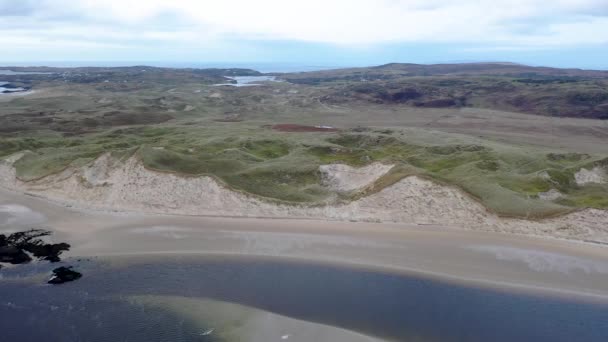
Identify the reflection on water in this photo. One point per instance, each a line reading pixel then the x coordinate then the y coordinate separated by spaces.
pixel 100 306
pixel 11 89
pixel 11 72
pixel 247 81
pixel 544 261
pixel 8 89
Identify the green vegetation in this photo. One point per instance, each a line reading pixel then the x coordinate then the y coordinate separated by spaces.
pixel 269 164
pixel 43 162
pixel 507 183
pixel 175 121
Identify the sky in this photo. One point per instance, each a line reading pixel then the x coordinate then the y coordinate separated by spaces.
pixel 561 33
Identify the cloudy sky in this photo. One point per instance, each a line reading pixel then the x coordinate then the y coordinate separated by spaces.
pixel 312 32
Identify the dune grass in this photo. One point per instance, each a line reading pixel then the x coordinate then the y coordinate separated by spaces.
pixel 284 166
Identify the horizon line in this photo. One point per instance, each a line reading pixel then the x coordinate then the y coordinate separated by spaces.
pixel 212 64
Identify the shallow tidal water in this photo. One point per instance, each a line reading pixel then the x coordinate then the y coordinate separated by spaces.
pixel 100 306
pixel 4 90
pixel 11 72
pixel 247 81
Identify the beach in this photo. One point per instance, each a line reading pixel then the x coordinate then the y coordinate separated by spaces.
pixel 482 258
pixel 200 278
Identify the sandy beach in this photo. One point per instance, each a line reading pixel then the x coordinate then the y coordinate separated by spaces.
pixel 251 279
pixel 517 263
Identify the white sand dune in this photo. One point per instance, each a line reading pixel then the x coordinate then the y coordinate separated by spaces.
pixel 107 184
pixel 595 175
pixel 345 178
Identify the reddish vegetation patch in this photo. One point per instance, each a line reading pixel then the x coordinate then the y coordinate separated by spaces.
pixel 303 128
pixel 436 103
pixel 228 120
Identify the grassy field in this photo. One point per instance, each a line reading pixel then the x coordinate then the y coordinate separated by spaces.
pixel 188 126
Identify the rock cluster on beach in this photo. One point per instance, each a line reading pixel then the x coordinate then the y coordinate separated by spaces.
pixel 64 274
pixel 13 247
pixel 20 247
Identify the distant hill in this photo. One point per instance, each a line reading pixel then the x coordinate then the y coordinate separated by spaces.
pixel 504 86
pixel 495 68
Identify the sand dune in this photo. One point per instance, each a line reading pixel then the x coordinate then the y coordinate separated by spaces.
pixel 107 184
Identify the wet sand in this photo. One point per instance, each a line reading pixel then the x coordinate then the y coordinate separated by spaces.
pixel 491 260
pixel 177 277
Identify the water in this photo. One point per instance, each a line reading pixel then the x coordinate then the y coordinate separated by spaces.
pixel 11 72
pixel 388 306
pixel 248 81
pixel 4 90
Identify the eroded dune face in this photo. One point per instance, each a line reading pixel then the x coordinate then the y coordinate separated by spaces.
pixel 108 184
pixel 595 175
pixel 345 178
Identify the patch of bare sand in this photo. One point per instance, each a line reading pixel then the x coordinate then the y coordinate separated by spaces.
pixel 550 195
pixel 595 175
pixel 345 178
pixel 107 184
pixel 226 321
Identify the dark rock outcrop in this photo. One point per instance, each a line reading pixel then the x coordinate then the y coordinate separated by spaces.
pixel 19 247
pixel 13 248
pixel 13 255
pixel 63 275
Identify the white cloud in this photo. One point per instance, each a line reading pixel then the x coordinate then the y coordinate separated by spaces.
pixel 348 22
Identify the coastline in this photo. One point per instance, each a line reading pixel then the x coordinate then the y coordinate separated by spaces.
pixel 485 259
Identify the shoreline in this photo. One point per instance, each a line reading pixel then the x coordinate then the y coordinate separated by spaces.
pixel 487 259
pixel 135 213
pixel 470 282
